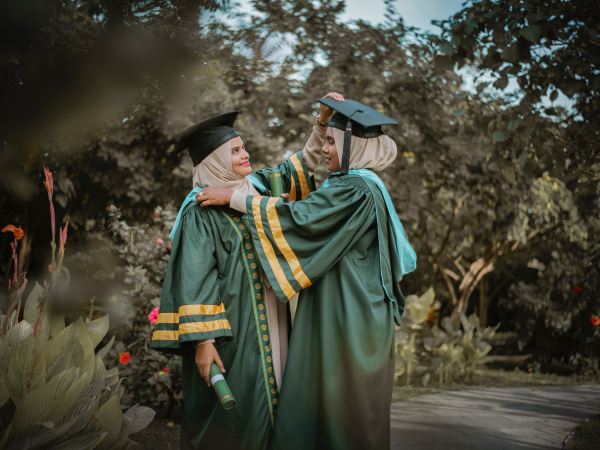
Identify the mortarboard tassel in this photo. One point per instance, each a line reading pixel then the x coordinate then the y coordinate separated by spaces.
pixel 346 150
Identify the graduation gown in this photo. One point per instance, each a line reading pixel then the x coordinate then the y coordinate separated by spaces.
pixel 214 288
pixel 338 248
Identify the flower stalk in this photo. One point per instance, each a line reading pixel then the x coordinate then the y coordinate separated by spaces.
pixel 61 250
pixel 49 183
pixel 15 292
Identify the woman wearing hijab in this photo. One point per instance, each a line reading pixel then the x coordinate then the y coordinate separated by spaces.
pixel 344 248
pixel 216 304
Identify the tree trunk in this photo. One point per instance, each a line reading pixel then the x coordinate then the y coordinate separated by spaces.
pixel 484 301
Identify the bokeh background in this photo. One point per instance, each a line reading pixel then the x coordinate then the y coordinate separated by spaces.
pixel 496 180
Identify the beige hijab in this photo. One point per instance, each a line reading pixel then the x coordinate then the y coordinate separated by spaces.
pixel 375 153
pixel 217 170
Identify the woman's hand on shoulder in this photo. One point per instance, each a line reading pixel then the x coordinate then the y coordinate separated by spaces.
pixel 206 354
pixel 214 196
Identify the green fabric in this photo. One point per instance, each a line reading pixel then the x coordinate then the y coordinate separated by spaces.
pixel 213 262
pixel 339 373
pixel 289 172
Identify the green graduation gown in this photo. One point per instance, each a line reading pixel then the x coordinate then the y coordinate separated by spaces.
pixel 214 289
pixel 338 248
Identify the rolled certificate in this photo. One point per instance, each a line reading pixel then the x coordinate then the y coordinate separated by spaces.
pixel 221 387
pixel 276 183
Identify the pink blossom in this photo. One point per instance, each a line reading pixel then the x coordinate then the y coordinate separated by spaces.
pixel 159 241
pixel 153 316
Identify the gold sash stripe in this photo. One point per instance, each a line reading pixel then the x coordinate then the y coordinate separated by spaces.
pixel 193 327
pixel 285 286
pixel 283 245
pixel 304 187
pixel 191 310
pixel 293 189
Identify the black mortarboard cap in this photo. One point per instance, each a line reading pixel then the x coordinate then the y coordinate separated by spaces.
pixel 355 119
pixel 205 137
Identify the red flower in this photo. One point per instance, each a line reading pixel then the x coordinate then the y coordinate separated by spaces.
pixel 50 268
pixel 595 321
pixel 63 236
pixel 167 370
pixel 577 290
pixel 49 183
pixel 159 241
pixel 124 358
pixel 152 373
pixel 169 247
pixel 17 232
pixel 107 208
pixel 156 214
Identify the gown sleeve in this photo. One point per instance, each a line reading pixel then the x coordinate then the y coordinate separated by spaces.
pixel 190 305
pixel 297 172
pixel 297 242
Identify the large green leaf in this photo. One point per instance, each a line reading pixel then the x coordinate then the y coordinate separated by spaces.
pixel 71 397
pixel 58 351
pixel 30 310
pixel 39 402
pixel 141 417
pixel 109 418
pixel 87 442
pixel 99 368
pixel 26 370
pixel 32 438
pixel 10 344
pixel 98 329
pixel 83 355
pixel 104 350
pixel 80 414
pixel 121 440
pixel 56 322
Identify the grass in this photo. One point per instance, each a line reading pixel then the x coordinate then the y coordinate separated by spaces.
pixel 587 434
pixel 489 379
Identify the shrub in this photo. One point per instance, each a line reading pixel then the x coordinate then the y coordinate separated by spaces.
pixel 423 350
pixel 55 392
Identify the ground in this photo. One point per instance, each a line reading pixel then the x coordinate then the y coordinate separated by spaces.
pixel 535 395
pixel 587 434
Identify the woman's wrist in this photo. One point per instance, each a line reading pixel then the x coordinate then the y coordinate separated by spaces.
pixel 320 124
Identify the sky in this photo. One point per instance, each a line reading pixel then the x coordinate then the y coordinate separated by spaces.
pixel 416 13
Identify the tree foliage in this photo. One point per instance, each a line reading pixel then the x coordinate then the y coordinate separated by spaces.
pixel 498 192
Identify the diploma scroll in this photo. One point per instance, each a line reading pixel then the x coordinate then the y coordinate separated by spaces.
pixel 276 183
pixel 221 387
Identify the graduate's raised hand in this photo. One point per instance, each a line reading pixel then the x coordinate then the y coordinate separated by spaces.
pixel 326 112
pixel 206 354
pixel 286 198
pixel 213 196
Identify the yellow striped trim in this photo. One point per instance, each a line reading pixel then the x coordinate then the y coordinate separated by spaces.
pixel 165 335
pixel 285 286
pixel 300 171
pixel 293 189
pixel 283 245
pixel 191 310
pixel 193 327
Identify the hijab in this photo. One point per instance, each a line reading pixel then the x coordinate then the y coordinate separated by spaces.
pixel 374 153
pixel 217 170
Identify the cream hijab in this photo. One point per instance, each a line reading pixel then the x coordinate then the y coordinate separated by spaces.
pixel 375 153
pixel 217 170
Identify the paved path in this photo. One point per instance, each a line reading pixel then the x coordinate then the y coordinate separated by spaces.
pixel 510 418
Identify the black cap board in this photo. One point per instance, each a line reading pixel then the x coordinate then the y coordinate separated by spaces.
pixel 205 137
pixel 355 119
